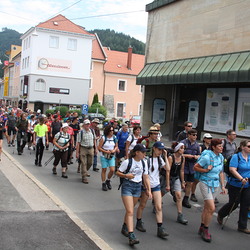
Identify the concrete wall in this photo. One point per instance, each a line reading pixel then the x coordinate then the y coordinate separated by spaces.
pixel 196 28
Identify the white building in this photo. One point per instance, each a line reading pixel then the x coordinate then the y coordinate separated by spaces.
pixel 55 64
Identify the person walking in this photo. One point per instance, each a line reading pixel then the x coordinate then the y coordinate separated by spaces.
pixel 151 139
pixel 184 134
pixel 229 144
pixel 155 163
pixel 177 182
pixel 55 126
pixel 108 146
pixel 40 140
pixel 30 134
pixel 238 187
pixel 11 128
pixel 131 187
pixel 21 128
pixel 132 140
pixel 85 149
pixel 211 176
pixel 191 154
pixel 61 144
pixel 2 132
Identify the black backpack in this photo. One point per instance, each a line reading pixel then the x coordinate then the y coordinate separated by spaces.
pixel 127 170
pixel 227 165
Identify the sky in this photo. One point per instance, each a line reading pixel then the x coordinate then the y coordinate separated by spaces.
pixel 24 14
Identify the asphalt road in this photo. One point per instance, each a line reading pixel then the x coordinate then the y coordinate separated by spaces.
pixel 103 211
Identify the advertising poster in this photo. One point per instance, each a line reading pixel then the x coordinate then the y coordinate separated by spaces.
pixel 219 113
pixel 243 113
pixel 159 111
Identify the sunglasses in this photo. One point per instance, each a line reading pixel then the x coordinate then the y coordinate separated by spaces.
pixel 190 126
pixel 111 129
pixel 248 146
pixel 194 134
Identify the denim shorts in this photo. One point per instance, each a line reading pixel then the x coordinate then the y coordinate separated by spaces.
pixel 157 188
pixel 131 188
pixel 107 162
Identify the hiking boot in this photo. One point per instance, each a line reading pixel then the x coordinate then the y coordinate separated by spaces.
pixel 40 164
pixel 216 200
pixel 19 153
pixel 161 232
pixel 85 181
pixel 96 169
pixel 64 175
pixel 104 186
pixel 185 202
pixel 132 239
pixel 108 184
pixel 219 219
pixel 244 230
pixel 181 220
pixel 54 171
pixel 124 230
pixel 193 198
pixel 205 235
pixel 200 230
pixel 140 226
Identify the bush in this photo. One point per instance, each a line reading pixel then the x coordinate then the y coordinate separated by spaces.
pixel 101 109
pixel 49 111
pixel 63 110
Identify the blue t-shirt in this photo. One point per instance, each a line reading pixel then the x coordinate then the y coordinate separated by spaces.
pixel 211 178
pixel 243 168
pixel 122 138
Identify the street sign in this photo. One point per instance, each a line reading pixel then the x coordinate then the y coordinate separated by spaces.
pixel 85 109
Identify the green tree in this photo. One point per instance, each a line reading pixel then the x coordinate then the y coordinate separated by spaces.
pixel 95 99
pixel 98 107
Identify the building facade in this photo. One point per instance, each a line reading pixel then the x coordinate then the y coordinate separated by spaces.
pixel 55 64
pixel 197 66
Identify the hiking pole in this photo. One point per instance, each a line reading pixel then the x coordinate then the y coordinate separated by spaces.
pixel 49 160
pixel 222 227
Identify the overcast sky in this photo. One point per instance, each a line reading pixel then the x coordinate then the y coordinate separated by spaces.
pixel 20 15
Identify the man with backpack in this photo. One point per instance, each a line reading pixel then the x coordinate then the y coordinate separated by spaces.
pixel 149 140
pixel 229 144
pixel 184 134
pixel 85 149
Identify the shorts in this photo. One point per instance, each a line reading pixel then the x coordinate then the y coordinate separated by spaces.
pixel 131 188
pixel 105 163
pixel 189 177
pixel 157 188
pixel 206 191
pixel 121 154
pixel 11 129
pixel 177 185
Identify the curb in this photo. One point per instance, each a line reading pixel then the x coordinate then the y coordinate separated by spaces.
pixel 89 232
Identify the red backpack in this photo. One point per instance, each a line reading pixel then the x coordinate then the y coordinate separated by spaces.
pixel 144 137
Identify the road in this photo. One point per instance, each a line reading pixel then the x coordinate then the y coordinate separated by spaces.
pixel 103 211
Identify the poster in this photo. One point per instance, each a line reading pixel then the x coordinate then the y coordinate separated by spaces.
pixel 219 112
pixel 243 113
pixel 159 111
pixel 193 112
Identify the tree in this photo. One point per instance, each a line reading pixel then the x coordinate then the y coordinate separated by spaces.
pixel 95 99
pixel 98 107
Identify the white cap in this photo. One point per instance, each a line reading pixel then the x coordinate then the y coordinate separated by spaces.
pixel 87 121
pixel 64 125
pixel 207 135
pixel 38 111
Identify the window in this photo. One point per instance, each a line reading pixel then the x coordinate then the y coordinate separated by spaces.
pixel 72 44
pixel 141 88
pixel 121 85
pixel 40 85
pixel 54 42
pixel 139 111
pixel 90 83
pixel 28 61
pixel 22 85
pixel 120 109
pixel 23 63
pixel 29 42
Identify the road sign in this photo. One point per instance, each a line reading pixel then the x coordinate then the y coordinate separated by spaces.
pixel 85 109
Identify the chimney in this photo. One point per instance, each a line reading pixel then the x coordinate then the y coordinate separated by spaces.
pixel 129 63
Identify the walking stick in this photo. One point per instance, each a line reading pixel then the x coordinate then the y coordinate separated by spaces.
pixel 222 227
pixel 49 160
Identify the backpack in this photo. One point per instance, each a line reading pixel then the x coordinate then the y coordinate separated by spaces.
pixel 128 169
pixel 227 165
pixel 92 131
pixel 105 139
pixel 144 137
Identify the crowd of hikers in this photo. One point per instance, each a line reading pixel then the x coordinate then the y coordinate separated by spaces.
pixel 146 167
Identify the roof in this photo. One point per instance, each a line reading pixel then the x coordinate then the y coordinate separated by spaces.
pixel 61 23
pixel 158 4
pixel 97 49
pixel 223 68
pixel 117 62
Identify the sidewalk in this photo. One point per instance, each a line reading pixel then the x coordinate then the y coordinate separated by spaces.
pixel 33 218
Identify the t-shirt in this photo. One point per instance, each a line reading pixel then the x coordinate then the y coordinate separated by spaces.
pixel 12 120
pixel 62 139
pixel 122 138
pixel 108 143
pixel 56 126
pixel 134 142
pixel 41 130
pixel 154 176
pixel 136 169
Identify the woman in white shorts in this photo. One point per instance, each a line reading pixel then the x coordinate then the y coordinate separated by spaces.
pixel 211 176
pixel 155 163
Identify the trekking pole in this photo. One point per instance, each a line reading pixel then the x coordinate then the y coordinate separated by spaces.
pixel 222 227
pixel 49 160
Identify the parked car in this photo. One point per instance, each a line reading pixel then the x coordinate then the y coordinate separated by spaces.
pixel 135 120
pixel 92 116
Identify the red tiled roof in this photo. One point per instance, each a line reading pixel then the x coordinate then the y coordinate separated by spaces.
pixel 64 24
pixel 117 62
pixel 97 52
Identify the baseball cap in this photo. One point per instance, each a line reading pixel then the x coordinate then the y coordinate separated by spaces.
pixel 87 121
pixel 140 147
pixel 64 125
pixel 96 120
pixel 159 145
pixel 207 136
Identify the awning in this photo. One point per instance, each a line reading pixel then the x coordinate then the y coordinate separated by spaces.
pixel 224 68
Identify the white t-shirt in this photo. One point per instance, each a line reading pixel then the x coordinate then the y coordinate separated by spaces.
pixel 109 144
pixel 136 169
pixel 134 142
pixel 154 176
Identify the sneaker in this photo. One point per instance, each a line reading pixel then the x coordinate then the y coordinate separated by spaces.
pixel 40 164
pixel 161 232
pixel 132 239
pixel 181 220
pixel 219 219
pixel 54 171
pixel 96 169
pixel 186 204
pixel 104 186
pixel 216 201
pixel 205 235
pixel 244 230
pixel 108 184
pixel 193 198
pixel 19 153
pixel 140 226
pixel 9 145
pixel 64 175
pixel 124 230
